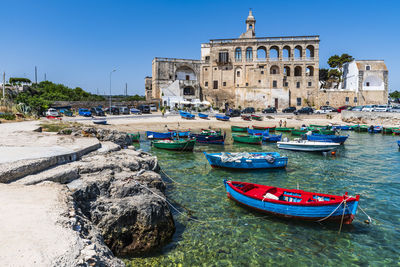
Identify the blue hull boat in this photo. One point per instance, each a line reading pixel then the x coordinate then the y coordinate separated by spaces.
pixel 247 161
pixel 342 127
pixel 208 139
pixel 186 115
pixel 272 138
pixel 184 134
pixel 203 116
pixel 376 129
pixel 257 132
pixel 293 203
pixel 398 143
pixel 157 135
pixel 327 138
pixel 222 117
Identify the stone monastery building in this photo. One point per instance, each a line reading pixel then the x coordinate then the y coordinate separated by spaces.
pixel 247 71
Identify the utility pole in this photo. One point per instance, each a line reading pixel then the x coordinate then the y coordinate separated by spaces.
pixel 35 74
pixel 45 77
pixel 4 84
pixel 126 89
pixel 110 89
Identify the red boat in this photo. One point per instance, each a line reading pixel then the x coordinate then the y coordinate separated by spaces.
pixel 293 203
pixel 246 117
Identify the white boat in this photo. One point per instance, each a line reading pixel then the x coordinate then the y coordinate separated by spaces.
pixel 305 145
pixel 99 120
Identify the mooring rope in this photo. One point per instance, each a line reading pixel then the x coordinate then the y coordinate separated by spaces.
pixel 369 218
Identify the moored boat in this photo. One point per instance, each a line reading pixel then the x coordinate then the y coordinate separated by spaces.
pixel 360 128
pixel 135 137
pixel 325 131
pixel 238 128
pixel 209 137
pixel 99 120
pixel 327 138
pixel 375 129
pixel 247 139
pixel 186 115
pixel 342 127
pixel 306 145
pixel 246 117
pixel 284 129
pixel 256 118
pixel 298 132
pixel 270 129
pixel 396 131
pixel 398 143
pixel 157 135
pixel 247 160
pixel 294 203
pixel 203 116
pixel 222 117
pixel 180 145
pixel 272 137
pixel 387 130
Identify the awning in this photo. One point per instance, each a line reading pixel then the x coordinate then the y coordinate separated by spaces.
pixel 184 102
pixel 205 102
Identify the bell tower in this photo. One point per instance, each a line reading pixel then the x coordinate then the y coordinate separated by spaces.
pixel 250 26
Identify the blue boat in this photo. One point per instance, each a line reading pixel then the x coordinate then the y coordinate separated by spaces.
pixel 342 127
pixel 327 138
pixel 398 143
pixel 293 203
pixel 208 139
pixel 186 115
pixel 221 117
pixel 247 160
pixel 203 116
pixel 267 137
pixel 375 129
pixel 183 134
pixel 157 135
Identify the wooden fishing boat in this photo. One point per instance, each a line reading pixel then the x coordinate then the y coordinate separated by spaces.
pixel 272 137
pixel 211 132
pixel 221 117
pixel 325 131
pixel 360 128
pixel 294 203
pixel 209 138
pixel 327 138
pixel 375 129
pixel 246 117
pixel 396 131
pixel 247 160
pixel 238 128
pixel 257 131
pixel 203 116
pixel 342 127
pixel 186 115
pixel 157 135
pixel 270 129
pixel 306 145
pixel 284 129
pixel 256 118
pixel 387 130
pixel 298 132
pixel 247 139
pixel 320 126
pixel 135 137
pixel 180 145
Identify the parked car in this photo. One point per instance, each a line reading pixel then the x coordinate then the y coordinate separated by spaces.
pixel 144 108
pixel 112 111
pixel 124 110
pixel 381 108
pixel 97 111
pixel 233 113
pixel 85 112
pixel 249 110
pixel 329 108
pixel 304 110
pixel 289 110
pixel 269 110
pixel 52 112
pixel 153 107
pixel 322 111
pixel 357 108
pixel 343 108
pixel 135 111
pixel 395 109
pixel 368 108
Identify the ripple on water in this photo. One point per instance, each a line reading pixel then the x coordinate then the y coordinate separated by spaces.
pixel 368 165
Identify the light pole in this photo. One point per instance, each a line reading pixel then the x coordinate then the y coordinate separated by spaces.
pixel 110 88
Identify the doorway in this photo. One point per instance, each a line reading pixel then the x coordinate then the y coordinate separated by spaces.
pixel 276 103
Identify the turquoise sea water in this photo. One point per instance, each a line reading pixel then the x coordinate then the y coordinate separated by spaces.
pixel 368 165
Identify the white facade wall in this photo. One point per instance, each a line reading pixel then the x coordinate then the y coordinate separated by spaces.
pixel 350 79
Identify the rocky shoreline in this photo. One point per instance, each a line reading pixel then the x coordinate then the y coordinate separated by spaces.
pixel 113 201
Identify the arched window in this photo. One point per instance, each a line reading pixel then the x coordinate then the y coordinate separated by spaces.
pixel 297 71
pixel 238 54
pixel 310 52
pixel 185 73
pixel 274 70
pixel 286 71
pixel 310 71
pixel 249 54
pixel 261 53
pixel 298 52
pixel 274 53
pixel 286 53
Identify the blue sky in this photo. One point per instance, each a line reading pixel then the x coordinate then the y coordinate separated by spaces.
pixel 78 42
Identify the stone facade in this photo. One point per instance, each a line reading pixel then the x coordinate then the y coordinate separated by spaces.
pixel 364 82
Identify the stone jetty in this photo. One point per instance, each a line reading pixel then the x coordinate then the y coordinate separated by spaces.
pixel 82 197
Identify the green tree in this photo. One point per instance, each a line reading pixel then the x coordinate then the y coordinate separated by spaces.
pixel 337 62
pixel 395 94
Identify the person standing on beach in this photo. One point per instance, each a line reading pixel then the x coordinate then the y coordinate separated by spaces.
pixel 280 123
pixel 284 124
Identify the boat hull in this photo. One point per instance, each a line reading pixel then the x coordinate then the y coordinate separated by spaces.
pixel 247 164
pixel 327 138
pixel 283 129
pixel 176 145
pixel 208 139
pixel 222 118
pixel 315 147
pixel 157 135
pixel 331 212
pixel 238 129
pixel 248 139
pixel 135 137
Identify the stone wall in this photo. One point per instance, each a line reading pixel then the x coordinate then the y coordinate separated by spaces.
pixel 337 98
